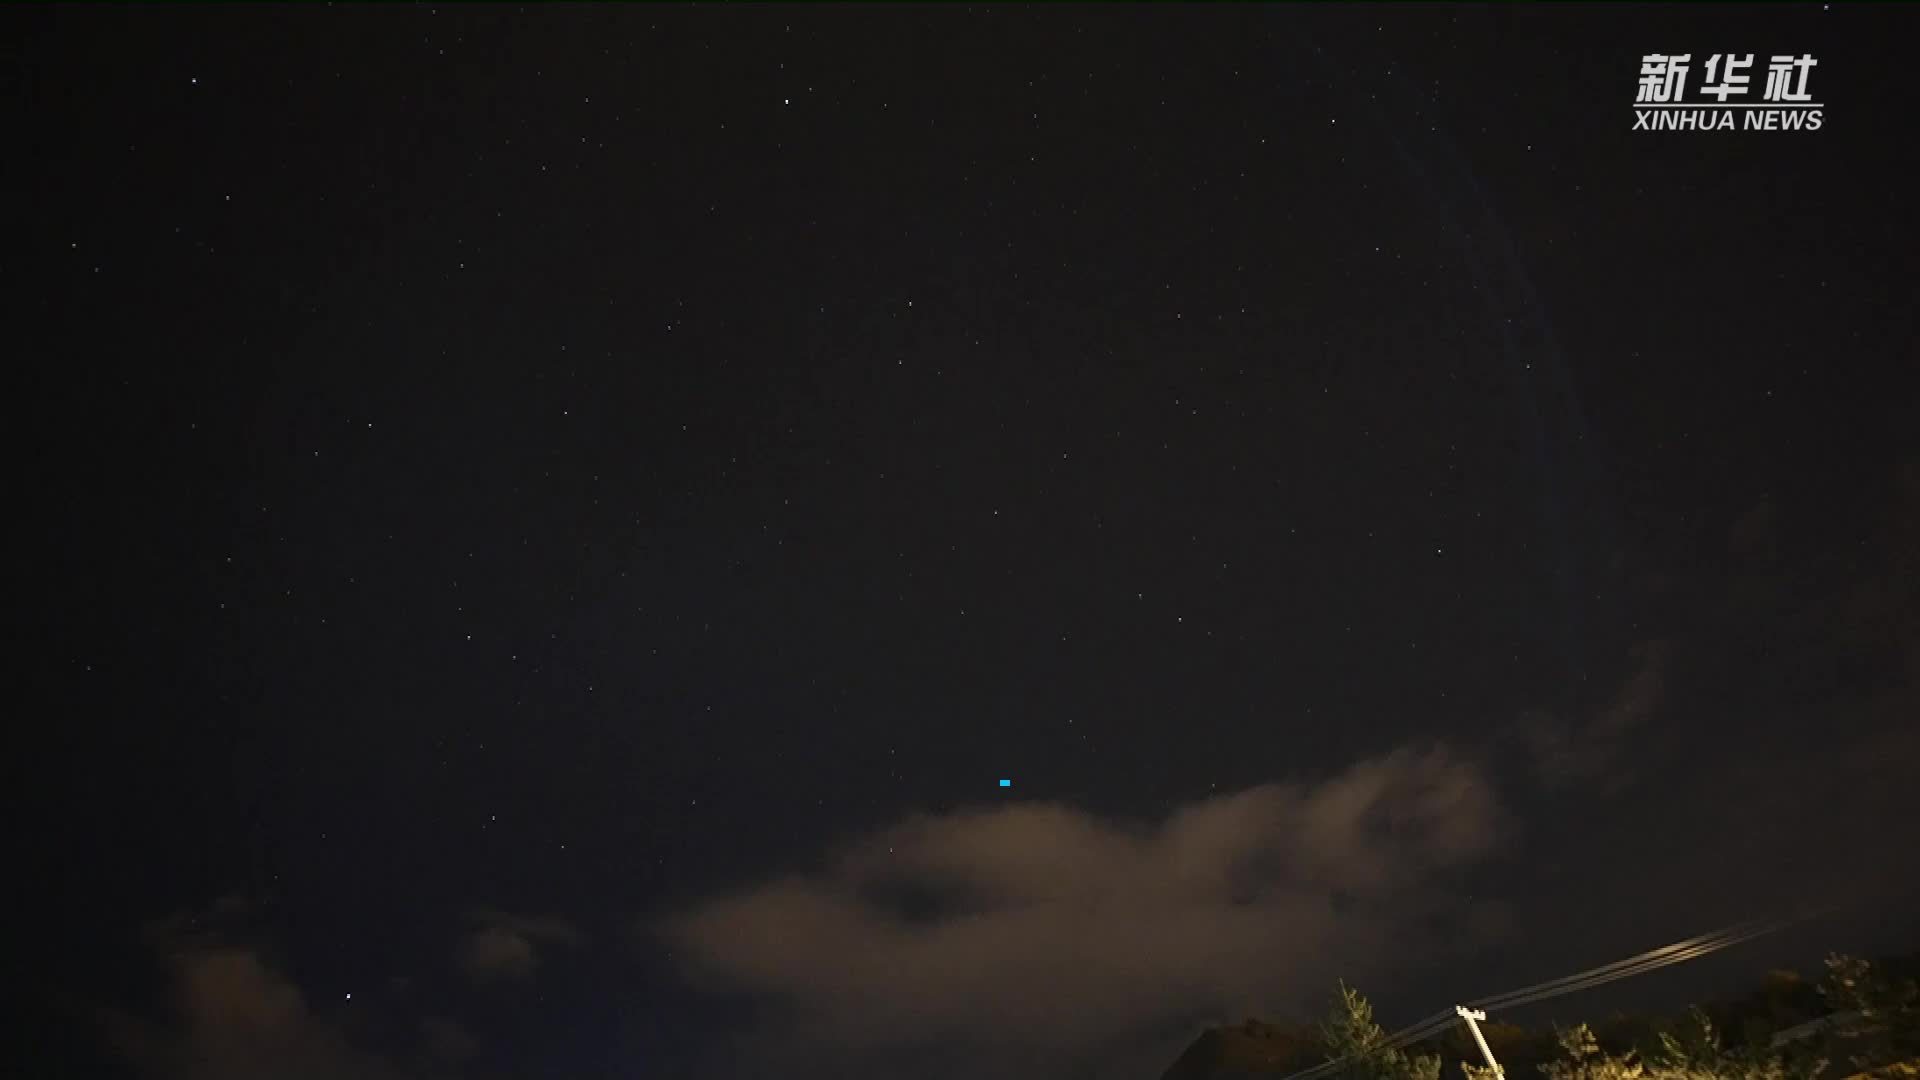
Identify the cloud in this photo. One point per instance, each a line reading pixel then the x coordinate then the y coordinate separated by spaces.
pixel 1593 750
pixel 1812 803
pixel 504 946
pixel 1771 755
pixel 447 1040
pixel 1037 932
pixel 236 1018
pixel 230 1013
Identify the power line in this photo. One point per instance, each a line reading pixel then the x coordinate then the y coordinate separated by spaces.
pixel 1652 960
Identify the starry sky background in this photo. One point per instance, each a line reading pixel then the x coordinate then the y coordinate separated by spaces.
pixel 549 525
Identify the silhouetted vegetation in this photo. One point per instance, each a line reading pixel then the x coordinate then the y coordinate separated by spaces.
pixel 1859 1020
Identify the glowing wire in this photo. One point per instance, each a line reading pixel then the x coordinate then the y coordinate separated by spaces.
pixel 1652 960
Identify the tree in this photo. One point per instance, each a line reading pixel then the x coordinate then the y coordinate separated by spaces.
pixel 1877 1015
pixel 1697 1052
pixel 1357 1043
pixel 1694 1052
pixel 1582 1059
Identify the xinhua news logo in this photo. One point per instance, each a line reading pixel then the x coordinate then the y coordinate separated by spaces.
pixel 1664 101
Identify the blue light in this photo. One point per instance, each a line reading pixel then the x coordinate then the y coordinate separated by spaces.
pixel 1006 783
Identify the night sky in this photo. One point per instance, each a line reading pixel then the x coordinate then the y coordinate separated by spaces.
pixel 549 526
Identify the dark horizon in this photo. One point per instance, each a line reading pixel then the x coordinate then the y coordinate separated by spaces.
pixel 550 526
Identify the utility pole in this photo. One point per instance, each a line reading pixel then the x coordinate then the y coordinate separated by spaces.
pixel 1473 1018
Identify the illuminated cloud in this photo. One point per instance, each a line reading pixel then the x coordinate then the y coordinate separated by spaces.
pixel 232 1014
pixel 504 946
pixel 235 1017
pixel 1041 931
pixel 1596 749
